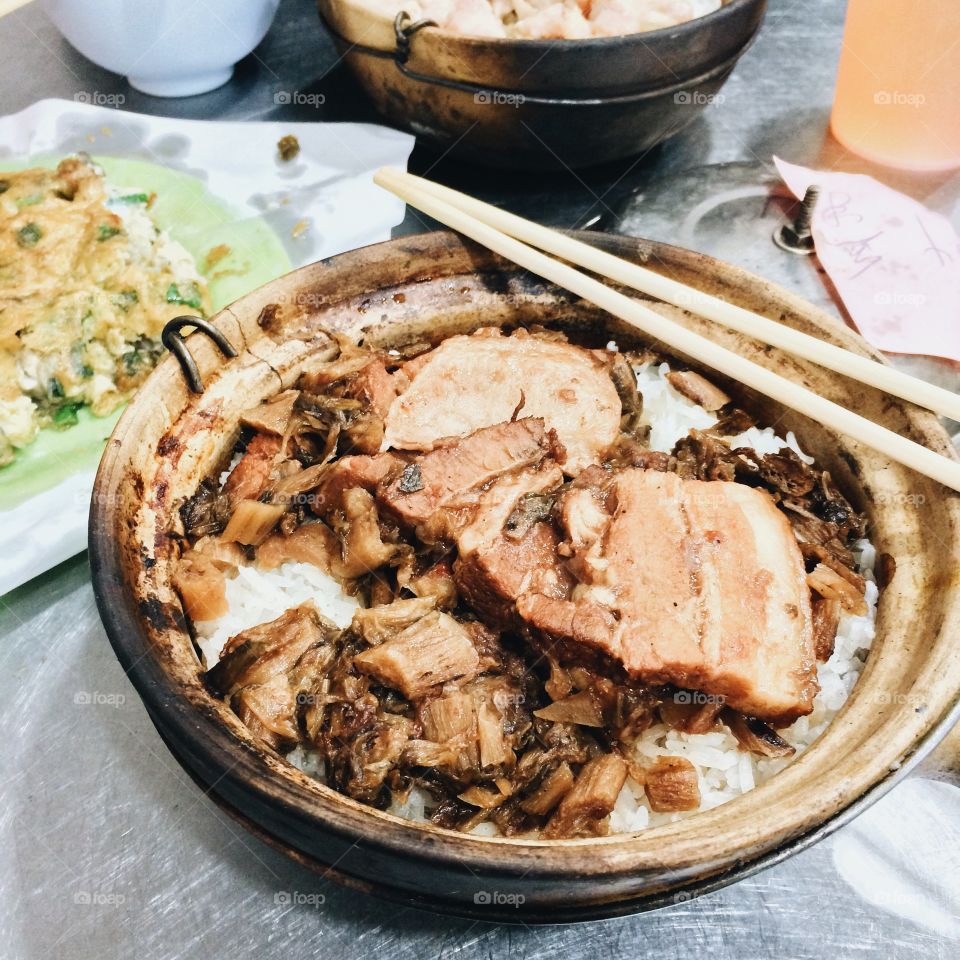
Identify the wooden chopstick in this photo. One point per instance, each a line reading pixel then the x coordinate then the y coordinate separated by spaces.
pixel 754 325
pixel 830 414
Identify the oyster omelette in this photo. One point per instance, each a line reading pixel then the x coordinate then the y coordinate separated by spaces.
pixel 87 282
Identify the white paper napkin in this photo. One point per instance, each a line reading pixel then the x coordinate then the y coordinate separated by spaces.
pixel 903 855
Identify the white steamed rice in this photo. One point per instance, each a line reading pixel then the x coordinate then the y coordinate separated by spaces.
pixel 724 771
pixel 256 596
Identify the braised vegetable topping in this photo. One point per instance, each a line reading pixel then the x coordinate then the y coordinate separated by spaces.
pixel 480 666
pixel 411 480
pixel 671 785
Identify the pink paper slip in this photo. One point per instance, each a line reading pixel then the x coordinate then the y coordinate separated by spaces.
pixel 895 264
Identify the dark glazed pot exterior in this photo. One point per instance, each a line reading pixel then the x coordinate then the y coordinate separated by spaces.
pixel 542 104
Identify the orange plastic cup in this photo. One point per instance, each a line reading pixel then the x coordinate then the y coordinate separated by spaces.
pixel 898 86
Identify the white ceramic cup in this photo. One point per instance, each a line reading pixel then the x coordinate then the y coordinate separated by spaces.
pixel 168 48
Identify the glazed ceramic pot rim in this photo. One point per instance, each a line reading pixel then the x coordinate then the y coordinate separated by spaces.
pixel 188 712
pixel 649 92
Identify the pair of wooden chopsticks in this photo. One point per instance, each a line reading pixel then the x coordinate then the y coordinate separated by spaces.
pixel 503 232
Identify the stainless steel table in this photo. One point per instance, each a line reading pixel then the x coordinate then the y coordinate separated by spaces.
pixel 109 850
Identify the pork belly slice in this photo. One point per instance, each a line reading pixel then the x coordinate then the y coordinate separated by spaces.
pixel 698 584
pixel 375 387
pixel 432 651
pixel 440 478
pixel 468 383
pixel 346 473
pixel 493 566
pixel 249 477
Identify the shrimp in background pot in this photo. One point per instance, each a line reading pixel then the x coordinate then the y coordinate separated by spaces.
pixel 550 19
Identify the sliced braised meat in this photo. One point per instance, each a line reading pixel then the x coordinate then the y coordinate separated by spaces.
pixel 375 387
pixel 494 565
pixel 249 477
pixel 696 584
pixel 366 472
pixel 429 652
pixel 497 507
pixel 571 630
pixel 443 475
pixel 468 383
